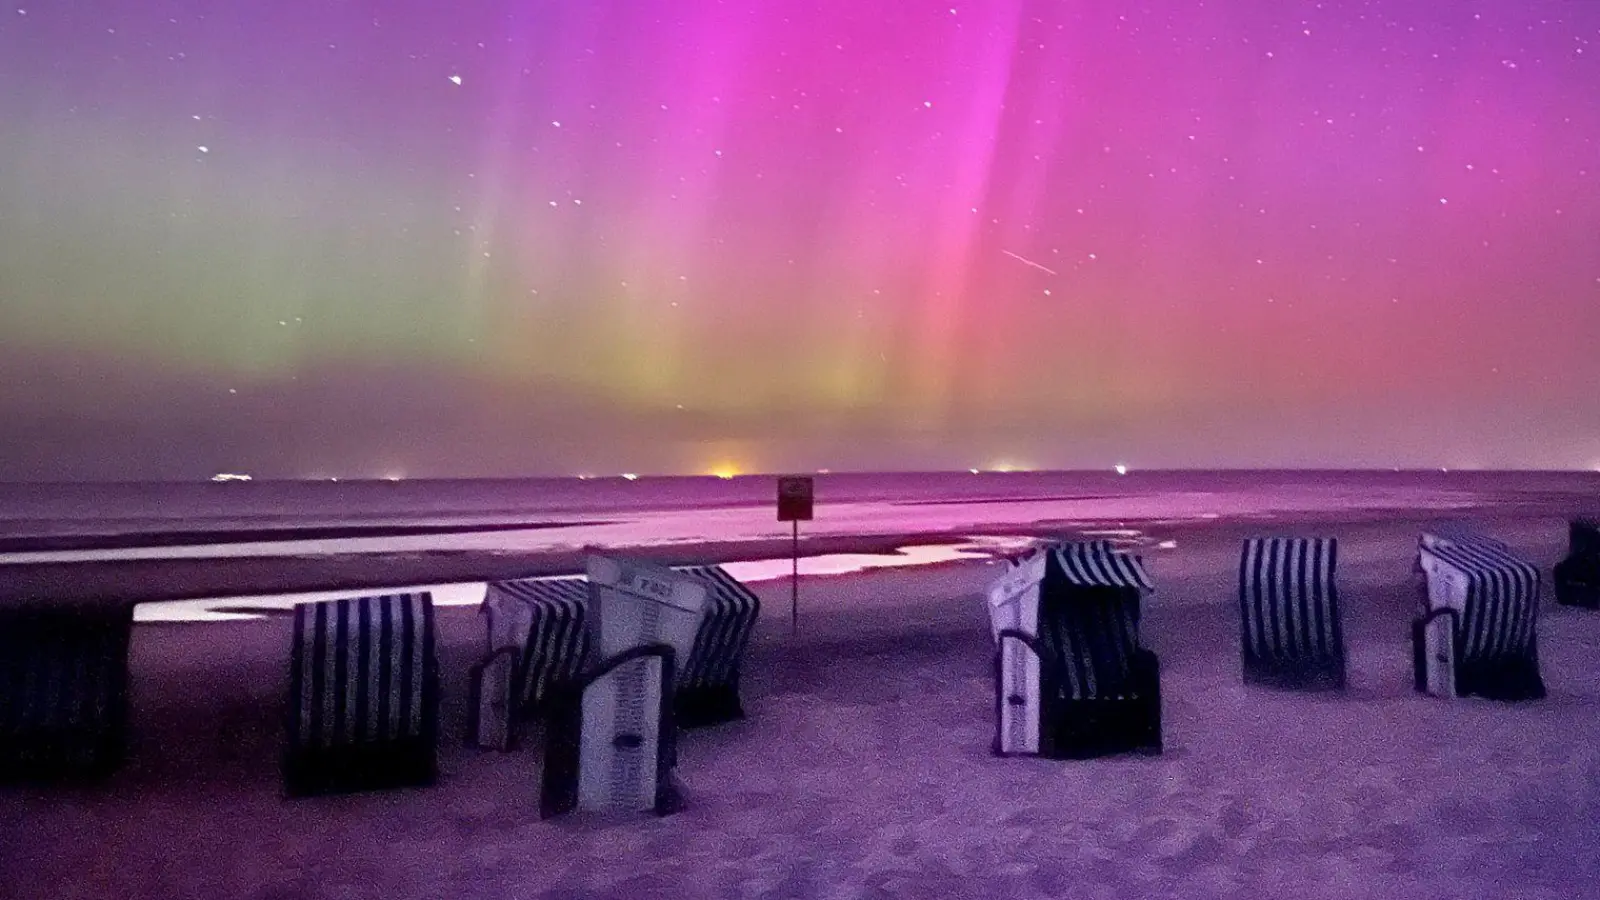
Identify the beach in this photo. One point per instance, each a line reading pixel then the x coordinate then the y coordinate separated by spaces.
pixel 863 769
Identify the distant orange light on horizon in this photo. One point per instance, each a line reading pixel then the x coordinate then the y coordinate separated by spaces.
pixel 1010 466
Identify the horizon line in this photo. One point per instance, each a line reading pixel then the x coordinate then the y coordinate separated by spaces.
pixel 824 473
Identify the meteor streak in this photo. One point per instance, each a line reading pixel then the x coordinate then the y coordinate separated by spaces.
pixel 1029 262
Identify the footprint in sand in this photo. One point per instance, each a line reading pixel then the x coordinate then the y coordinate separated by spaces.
pixel 1181 846
pixel 1234 820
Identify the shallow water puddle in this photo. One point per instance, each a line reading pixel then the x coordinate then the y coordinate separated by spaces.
pixel 977 549
pixel 232 609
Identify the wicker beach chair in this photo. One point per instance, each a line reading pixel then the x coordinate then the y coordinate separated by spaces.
pixel 1072 680
pixel 1478 635
pixel 539 639
pixel 1291 631
pixel 1577 577
pixel 708 682
pixel 364 695
pixel 63 692
pixel 1447 532
pixel 611 738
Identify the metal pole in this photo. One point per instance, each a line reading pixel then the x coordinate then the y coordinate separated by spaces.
pixel 794 583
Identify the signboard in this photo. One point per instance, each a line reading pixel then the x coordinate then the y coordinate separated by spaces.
pixel 1018 578
pixel 794 498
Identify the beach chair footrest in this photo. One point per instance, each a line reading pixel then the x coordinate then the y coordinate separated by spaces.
pixel 1299 675
pixel 1574 590
pixel 351 768
pixel 1090 728
pixel 702 707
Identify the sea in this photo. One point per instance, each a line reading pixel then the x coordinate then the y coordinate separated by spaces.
pixel 143 507
pixel 99 521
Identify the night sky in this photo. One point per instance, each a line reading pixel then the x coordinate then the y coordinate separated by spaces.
pixel 311 239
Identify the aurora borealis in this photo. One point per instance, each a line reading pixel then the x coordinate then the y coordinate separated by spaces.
pixel 304 239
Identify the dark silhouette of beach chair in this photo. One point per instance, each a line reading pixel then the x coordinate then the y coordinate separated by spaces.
pixel 1478 635
pixel 611 734
pixel 364 695
pixel 539 638
pixel 1577 577
pixel 1072 680
pixel 1291 631
pixel 63 692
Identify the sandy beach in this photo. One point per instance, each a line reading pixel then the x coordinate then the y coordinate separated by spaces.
pixel 863 769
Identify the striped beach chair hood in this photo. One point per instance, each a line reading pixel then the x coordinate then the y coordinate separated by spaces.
pixel 545 618
pixel 1502 598
pixel 363 705
pixel 1289 611
pixel 568 591
pixel 1452 532
pixel 1456 533
pixel 731 613
pixel 1098 564
pixel 362 668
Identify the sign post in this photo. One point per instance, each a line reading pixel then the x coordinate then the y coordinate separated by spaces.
pixel 794 506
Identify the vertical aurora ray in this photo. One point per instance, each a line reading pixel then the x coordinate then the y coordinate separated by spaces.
pixel 957 215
